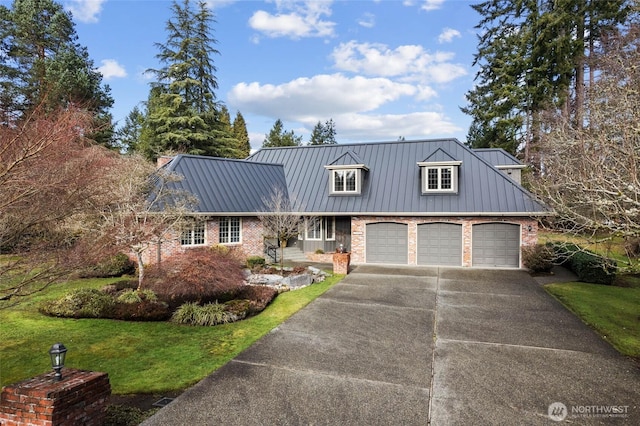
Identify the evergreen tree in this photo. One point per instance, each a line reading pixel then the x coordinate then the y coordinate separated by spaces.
pixel 43 65
pixel 323 134
pixel 279 137
pixel 532 58
pixel 242 135
pixel 128 136
pixel 183 115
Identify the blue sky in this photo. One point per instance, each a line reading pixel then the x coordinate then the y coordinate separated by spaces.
pixel 379 69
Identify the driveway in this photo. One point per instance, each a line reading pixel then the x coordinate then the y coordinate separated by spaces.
pixel 419 346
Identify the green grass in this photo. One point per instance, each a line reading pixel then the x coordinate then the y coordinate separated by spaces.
pixel 140 357
pixel 612 311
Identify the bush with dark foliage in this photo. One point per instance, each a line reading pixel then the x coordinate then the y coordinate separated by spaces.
pixel 115 266
pixel 538 258
pixel 258 296
pixel 200 275
pixel 92 303
pixel 588 266
pixel 81 303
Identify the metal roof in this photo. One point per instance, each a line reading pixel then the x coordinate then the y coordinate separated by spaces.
pixel 224 185
pixel 498 157
pixel 391 186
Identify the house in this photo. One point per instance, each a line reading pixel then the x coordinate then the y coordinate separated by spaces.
pixel 426 202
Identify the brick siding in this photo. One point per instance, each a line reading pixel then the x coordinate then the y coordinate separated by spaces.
pixel 251 241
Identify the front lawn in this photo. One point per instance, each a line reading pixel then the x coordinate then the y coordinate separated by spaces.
pixel 614 312
pixel 140 357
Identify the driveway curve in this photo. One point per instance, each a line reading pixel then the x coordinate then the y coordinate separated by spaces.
pixel 420 346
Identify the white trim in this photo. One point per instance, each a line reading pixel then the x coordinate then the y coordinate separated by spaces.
pixel 346 166
pixel 191 231
pixel 425 178
pixel 333 227
pixel 332 181
pixel 306 228
pixel 439 163
pixel 511 166
pixel 229 231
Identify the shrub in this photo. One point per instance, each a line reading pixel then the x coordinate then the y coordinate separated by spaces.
pixel 207 315
pixel 591 268
pixel 319 251
pixel 145 310
pixel 199 275
pixel 137 296
pixel 238 307
pixel 114 288
pixel 81 303
pixel 588 266
pixel 632 247
pixel 258 296
pixel 115 266
pixel 255 261
pixel 538 258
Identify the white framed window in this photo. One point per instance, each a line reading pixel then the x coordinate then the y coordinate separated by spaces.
pixel 345 181
pixel 440 178
pixel 230 230
pixel 313 230
pixel 330 228
pixel 194 234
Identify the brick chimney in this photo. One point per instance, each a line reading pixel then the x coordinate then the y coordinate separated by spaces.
pixel 163 160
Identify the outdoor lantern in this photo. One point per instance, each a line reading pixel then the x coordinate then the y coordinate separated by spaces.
pixel 57 353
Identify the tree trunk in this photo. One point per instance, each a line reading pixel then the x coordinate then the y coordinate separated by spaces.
pixel 140 269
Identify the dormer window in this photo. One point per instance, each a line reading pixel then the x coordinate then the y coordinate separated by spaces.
pixel 346 175
pixel 345 181
pixel 441 177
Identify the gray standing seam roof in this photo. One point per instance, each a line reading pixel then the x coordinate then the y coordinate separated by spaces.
pixel 391 186
pixel 497 157
pixel 227 186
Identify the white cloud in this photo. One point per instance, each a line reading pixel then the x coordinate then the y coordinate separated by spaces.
pixel 322 95
pixel 409 62
pixel 85 10
pixel 359 127
pixel 350 101
pixel 295 20
pixel 427 5
pixel 447 35
pixel 367 20
pixel 430 5
pixel 110 68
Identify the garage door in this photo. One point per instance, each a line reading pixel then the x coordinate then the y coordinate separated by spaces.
pixel 496 245
pixel 440 244
pixel 387 243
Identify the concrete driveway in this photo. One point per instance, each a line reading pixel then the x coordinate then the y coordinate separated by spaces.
pixel 419 346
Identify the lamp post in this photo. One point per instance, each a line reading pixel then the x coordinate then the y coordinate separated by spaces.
pixel 57 353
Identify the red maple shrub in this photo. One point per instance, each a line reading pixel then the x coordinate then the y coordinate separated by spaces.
pixel 200 275
pixel 258 296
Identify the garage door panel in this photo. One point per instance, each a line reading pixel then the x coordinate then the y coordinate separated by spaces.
pixel 387 243
pixel 496 245
pixel 440 244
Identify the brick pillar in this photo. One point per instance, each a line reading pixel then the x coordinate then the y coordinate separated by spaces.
pixel 80 398
pixel 341 263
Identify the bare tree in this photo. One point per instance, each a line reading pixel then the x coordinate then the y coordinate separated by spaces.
pixel 145 208
pixel 281 218
pixel 591 173
pixel 50 175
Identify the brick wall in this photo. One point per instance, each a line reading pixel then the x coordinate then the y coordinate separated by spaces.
pixel 80 398
pixel 358 233
pixel 251 241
